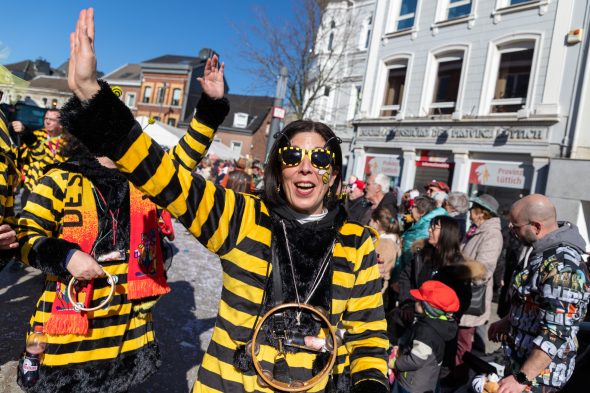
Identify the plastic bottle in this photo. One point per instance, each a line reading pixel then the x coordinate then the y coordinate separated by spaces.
pixel 36 344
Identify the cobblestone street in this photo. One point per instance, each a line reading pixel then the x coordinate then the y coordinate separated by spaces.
pixel 184 318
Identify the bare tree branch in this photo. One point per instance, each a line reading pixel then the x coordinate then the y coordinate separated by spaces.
pixel 300 46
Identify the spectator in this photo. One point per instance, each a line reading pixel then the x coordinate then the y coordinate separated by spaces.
pixel 379 195
pixel 457 205
pixel 421 351
pixel 357 206
pixel 389 247
pixel 436 186
pixel 423 211
pixel 257 175
pixel 239 181
pixel 484 245
pixel 549 298
pixel 440 198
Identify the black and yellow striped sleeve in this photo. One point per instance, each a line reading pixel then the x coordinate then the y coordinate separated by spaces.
pixel 217 217
pixel 38 226
pixel 364 318
pixel 193 146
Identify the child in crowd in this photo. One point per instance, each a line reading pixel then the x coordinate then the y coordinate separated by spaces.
pixel 418 359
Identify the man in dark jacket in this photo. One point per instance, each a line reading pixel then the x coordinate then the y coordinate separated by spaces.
pixel 421 351
pixel 549 298
pixel 379 195
pixel 357 206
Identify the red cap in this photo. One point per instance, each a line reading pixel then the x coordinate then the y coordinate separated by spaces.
pixel 438 295
pixel 439 184
pixel 358 184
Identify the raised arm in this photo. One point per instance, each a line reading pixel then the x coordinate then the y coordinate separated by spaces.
pixel 107 127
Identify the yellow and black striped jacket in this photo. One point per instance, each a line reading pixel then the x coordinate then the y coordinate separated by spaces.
pixel 122 328
pixel 9 175
pixel 237 227
pixel 40 152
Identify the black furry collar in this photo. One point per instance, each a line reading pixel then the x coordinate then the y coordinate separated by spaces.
pixel 110 182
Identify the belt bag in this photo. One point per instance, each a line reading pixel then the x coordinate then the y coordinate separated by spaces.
pixel 477 306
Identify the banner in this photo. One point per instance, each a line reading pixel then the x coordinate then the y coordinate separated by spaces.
pixel 388 165
pixel 507 175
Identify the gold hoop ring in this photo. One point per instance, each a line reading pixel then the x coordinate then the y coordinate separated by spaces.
pixel 79 306
pixel 298 386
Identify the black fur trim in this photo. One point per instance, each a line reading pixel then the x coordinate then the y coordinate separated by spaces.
pixel 107 376
pixel 369 386
pixel 101 123
pixel 211 112
pixel 341 383
pixel 243 360
pixel 49 254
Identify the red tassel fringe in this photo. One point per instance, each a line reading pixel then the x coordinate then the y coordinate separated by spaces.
pixel 138 289
pixel 74 323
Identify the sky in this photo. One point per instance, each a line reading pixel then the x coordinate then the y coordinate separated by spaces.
pixel 131 31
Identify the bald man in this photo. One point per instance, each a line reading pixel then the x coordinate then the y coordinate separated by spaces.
pixel 549 298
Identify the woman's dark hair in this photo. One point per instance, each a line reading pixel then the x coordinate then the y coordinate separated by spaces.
pixel 424 204
pixel 448 248
pixel 239 181
pixel 273 170
pixel 387 221
pixel 72 147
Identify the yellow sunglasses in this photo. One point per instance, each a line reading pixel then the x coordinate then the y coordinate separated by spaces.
pixel 320 158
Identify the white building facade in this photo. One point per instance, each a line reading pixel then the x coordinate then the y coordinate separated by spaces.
pixel 477 93
pixel 344 38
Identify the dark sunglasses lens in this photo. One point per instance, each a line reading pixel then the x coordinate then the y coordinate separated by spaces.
pixel 320 159
pixel 291 156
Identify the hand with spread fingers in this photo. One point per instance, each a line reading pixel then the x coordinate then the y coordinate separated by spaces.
pixel 212 81
pixel 82 66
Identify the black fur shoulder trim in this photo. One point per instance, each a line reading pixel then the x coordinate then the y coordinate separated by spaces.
pixel 101 123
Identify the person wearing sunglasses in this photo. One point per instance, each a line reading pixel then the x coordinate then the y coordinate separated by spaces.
pixel 293 244
pixel 549 295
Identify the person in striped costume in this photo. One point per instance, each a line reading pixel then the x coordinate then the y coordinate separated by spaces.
pixel 81 211
pixel 292 244
pixel 40 149
pixel 8 181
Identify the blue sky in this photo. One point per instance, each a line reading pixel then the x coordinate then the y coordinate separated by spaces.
pixel 130 31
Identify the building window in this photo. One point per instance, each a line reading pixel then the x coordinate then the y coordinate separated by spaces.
pixel 515 2
pixel 365 35
pixel 147 94
pixel 161 94
pixel 240 120
pixel 407 15
pixel 130 100
pixel 236 146
pixel 326 91
pixel 175 97
pixel 54 103
pixel 512 83
pixel 446 85
pixel 44 102
pixel 394 90
pixel 330 42
pixel 172 122
pixel 458 9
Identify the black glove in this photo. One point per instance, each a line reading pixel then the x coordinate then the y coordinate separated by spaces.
pixel 370 386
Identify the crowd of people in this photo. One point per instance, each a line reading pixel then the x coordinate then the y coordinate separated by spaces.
pixel 328 285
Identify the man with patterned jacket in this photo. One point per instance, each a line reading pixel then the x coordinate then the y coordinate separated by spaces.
pixel 549 299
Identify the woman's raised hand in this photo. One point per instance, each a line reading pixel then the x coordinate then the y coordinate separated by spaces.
pixel 82 67
pixel 212 80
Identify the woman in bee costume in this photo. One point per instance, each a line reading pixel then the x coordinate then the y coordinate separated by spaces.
pixel 291 245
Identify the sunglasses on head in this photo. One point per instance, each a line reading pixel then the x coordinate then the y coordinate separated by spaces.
pixel 320 158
